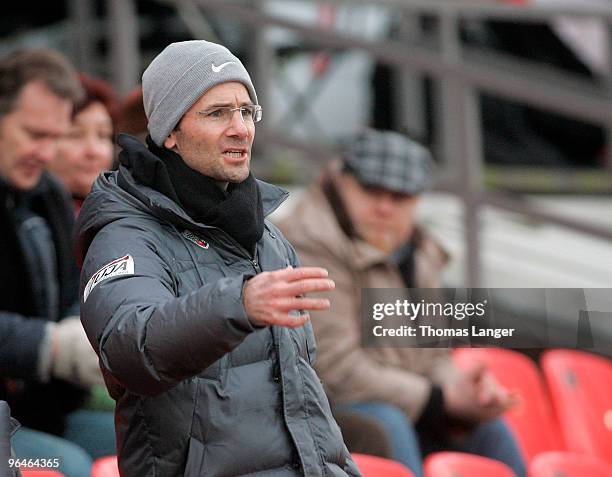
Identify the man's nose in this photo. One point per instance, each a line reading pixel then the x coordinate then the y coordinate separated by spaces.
pixel 46 149
pixel 385 204
pixel 237 125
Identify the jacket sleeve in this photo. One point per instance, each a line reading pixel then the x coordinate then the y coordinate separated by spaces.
pixel 349 372
pixel 149 339
pixel 21 342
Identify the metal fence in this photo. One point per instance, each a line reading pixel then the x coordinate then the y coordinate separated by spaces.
pixel 461 73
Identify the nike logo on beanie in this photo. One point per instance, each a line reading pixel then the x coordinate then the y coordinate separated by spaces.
pixel 217 69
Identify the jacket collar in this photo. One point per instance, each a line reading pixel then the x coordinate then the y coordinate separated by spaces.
pixel 135 153
pixel 7 190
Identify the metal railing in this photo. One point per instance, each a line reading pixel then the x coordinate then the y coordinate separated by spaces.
pixel 461 72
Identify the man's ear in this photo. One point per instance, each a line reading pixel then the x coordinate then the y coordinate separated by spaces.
pixel 170 141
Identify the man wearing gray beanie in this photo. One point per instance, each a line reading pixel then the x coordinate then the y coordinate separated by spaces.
pixel 195 303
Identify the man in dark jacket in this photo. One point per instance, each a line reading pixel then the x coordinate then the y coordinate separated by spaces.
pixel 46 361
pixel 193 301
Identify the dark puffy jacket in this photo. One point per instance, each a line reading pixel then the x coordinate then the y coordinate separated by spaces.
pixel 199 390
pixel 39 405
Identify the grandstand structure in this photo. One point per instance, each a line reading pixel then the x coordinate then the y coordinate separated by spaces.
pixel 506 226
pixel 460 71
pixel 312 62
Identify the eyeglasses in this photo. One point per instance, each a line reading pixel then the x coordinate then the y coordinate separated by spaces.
pixel 250 113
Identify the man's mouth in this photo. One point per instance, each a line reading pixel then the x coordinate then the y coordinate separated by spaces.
pixel 32 168
pixel 235 153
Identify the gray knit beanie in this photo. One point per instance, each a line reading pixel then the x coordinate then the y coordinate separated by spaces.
pixel 180 75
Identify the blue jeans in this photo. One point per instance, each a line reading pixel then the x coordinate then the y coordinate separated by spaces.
pixel 492 439
pixel 88 436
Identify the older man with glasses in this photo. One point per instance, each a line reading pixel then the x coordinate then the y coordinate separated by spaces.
pixel 46 362
pixel 190 296
pixel 359 221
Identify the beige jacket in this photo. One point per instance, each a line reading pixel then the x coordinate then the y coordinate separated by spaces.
pixel 398 376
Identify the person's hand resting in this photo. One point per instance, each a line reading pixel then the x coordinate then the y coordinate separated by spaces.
pixel 269 297
pixel 72 357
pixel 476 396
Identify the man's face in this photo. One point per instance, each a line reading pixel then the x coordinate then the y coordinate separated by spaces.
pixel 220 151
pixel 29 134
pixel 382 218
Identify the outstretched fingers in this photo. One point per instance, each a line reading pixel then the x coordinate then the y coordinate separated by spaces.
pixel 307 285
pixel 289 320
pixel 291 274
pixel 301 303
pixel 269 297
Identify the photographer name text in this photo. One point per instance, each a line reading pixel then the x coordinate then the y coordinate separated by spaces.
pixel 409 310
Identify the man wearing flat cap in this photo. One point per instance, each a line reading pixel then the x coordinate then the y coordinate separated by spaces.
pixel 190 296
pixel 358 221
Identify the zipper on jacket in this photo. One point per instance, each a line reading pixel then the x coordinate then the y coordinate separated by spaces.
pixel 255 262
pixel 276 368
pixel 253 259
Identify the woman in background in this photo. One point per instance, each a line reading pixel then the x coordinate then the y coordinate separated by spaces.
pixel 87 150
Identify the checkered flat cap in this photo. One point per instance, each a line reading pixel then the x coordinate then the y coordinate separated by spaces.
pixel 389 160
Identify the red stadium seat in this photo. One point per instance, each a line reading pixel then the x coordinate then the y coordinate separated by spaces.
pixel 581 391
pixel 40 473
pixel 371 466
pixel 457 464
pixel 565 464
pixel 105 467
pixel 532 420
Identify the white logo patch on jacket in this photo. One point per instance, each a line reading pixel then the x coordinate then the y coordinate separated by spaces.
pixel 120 266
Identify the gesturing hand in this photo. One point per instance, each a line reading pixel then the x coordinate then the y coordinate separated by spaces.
pixel 269 296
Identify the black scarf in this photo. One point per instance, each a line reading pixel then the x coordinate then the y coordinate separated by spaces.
pixel 237 210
